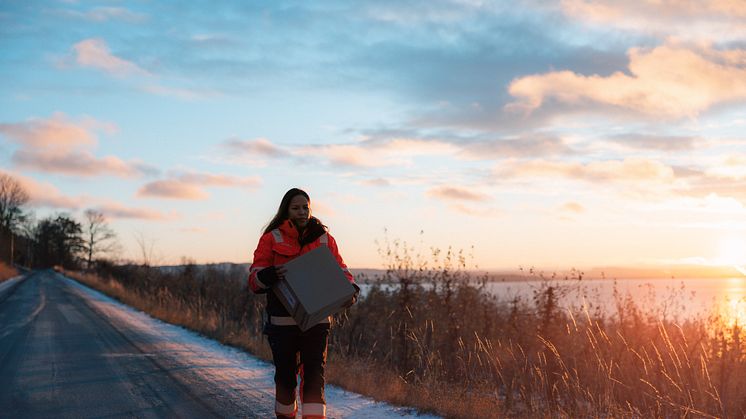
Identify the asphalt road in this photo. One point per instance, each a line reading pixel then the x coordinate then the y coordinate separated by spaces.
pixel 60 358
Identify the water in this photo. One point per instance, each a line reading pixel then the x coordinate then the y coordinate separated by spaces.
pixel 669 298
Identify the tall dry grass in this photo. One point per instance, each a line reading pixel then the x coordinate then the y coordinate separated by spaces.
pixel 7 271
pixel 437 340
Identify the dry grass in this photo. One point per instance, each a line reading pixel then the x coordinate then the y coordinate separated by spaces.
pixel 451 348
pixel 7 272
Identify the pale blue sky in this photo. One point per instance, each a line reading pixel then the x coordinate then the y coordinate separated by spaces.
pixel 576 133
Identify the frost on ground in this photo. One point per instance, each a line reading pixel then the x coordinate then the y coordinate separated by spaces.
pixel 242 381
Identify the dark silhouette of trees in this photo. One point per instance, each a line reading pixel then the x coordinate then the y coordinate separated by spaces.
pixel 58 242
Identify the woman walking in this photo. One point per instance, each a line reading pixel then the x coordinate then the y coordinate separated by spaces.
pixel 291 233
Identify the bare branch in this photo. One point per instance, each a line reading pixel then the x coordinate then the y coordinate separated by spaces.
pixel 99 238
pixel 12 199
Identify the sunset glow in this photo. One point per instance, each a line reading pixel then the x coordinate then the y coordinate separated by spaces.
pixel 577 134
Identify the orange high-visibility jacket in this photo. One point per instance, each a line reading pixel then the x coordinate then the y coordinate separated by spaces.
pixel 282 245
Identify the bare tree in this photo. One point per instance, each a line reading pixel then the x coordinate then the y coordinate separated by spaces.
pixel 12 199
pixel 98 237
pixel 146 245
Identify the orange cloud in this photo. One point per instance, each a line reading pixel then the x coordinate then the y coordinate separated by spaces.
pixel 208 179
pixel 116 210
pixel 715 20
pixel 56 133
pixel 667 81
pixel 572 207
pixel 454 193
pixel 627 170
pixel 172 189
pixel 95 53
pixel 46 195
pixel 80 164
pixel 59 145
pixel 189 185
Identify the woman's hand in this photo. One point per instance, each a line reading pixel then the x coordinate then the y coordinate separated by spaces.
pixel 270 276
pixel 281 270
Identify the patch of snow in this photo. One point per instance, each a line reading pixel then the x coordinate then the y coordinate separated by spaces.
pixel 8 283
pixel 246 380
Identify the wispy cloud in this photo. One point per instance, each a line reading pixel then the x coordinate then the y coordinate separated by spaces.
pixel 626 170
pixel 172 189
pixel 190 185
pixel 95 53
pixel 44 194
pixel 668 81
pixel 572 207
pixel 658 142
pixel 209 179
pixel 379 182
pixel 258 147
pixel 80 163
pixel 116 210
pixel 57 132
pixel 60 145
pixel 457 193
pixel 715 20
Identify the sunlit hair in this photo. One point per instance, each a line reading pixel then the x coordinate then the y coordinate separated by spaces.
pixel 282 211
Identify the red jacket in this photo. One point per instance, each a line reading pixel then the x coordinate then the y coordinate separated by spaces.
pixel 282 245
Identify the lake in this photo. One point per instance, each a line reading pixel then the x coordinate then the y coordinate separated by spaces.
pixel 670 298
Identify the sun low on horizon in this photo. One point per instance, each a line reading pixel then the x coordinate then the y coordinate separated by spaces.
pixel 596 135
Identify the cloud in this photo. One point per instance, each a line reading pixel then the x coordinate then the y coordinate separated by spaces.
pixel 119 211
pixel 80 163
pixel 256 147
pixel 380 182
pixel 716 20
pixel 667 81
pixel 456 193
pixel 572 207
pixel 172 189
pixel 626 170
pixel 655 142
pixel 60 145
pixel 374 153
pixel 189 185
pixel 94 53
pixel 57 132
pixel 44 194
pixel 529 146
pixel 208 179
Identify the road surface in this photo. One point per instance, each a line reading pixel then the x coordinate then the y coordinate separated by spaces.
pixel 61 358
pixel 67 351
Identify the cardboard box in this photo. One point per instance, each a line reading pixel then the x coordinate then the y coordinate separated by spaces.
pixel 314 287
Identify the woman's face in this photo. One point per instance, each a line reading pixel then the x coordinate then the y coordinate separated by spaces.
pixel 299 211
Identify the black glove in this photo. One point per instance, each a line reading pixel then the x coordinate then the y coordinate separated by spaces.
pixel 268 276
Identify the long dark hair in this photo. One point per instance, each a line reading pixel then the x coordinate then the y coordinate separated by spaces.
pixel 282 211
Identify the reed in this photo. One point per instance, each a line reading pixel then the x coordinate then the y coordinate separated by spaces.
pixel 438 341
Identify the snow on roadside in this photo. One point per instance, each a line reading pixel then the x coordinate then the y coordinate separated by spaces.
pixel 243 376
pixel 8 283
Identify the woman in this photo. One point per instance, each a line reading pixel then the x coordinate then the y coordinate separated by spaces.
pixel 291 233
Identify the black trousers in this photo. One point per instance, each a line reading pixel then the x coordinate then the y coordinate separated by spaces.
pixel 294 351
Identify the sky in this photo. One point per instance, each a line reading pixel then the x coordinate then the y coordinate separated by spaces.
pixel 525 133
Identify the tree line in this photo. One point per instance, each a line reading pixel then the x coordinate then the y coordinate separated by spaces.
pixel 56 240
